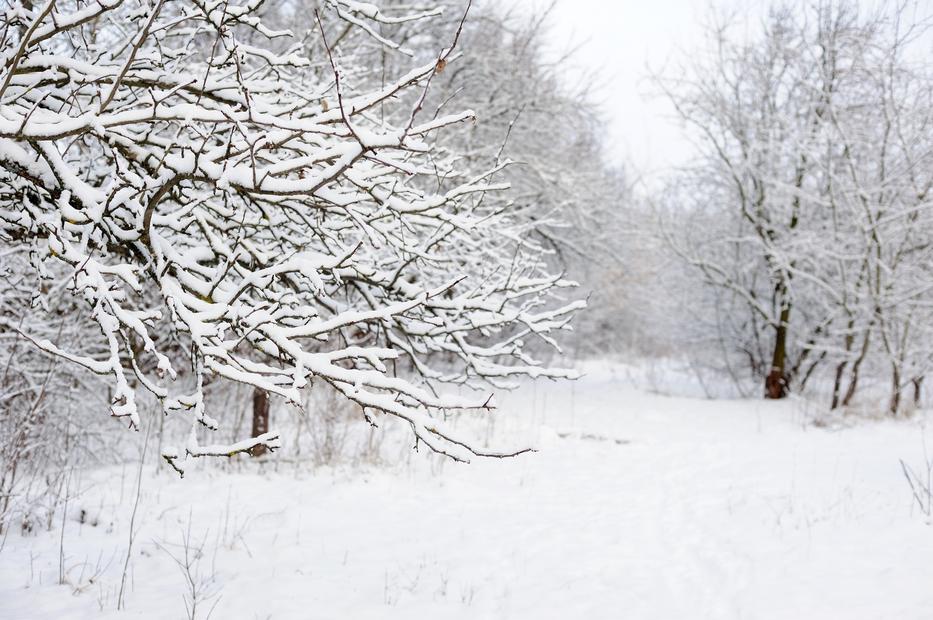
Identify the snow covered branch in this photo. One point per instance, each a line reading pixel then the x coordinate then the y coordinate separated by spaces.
pixel 226 206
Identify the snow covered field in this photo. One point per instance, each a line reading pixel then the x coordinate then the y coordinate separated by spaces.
pixel 636 506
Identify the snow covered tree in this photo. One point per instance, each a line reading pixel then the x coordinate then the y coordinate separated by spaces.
pixel 806 213
pixel 546 131
pixel 759 108
pixel 228 206
pixel 45 429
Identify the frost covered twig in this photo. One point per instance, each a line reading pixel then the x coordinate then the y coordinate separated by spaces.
pixel 221 218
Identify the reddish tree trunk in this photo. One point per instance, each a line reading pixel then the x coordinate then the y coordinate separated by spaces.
pixel 776 381
pixel 260 418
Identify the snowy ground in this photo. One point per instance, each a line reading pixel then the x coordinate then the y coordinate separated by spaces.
pixel 637 506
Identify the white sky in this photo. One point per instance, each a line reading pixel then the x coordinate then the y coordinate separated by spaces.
pixel 621 39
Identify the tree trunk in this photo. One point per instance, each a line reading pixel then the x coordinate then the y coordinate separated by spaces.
pixel 918 385
pixel 841 368
pixel 260 418
pixel 776 381
pixel 895 390
pixel 854 374
pixel 837 385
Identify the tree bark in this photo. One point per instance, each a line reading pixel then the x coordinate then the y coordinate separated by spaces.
pixel 776 381
pixel 895 390
pixel 837 385
pixel 854 374
pixel 260 418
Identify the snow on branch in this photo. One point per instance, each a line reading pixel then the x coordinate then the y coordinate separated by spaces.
pixel 223 211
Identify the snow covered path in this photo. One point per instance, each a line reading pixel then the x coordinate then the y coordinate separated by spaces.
pixel 637 506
